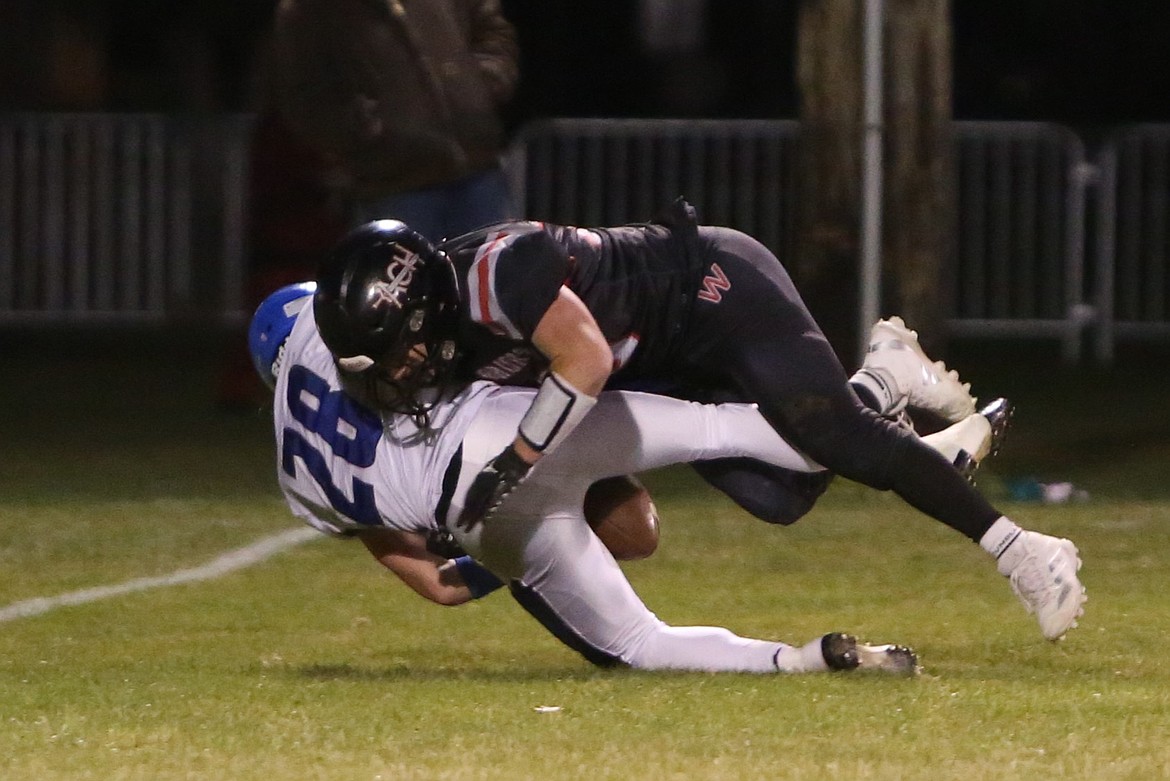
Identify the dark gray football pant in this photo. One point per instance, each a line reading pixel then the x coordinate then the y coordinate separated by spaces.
pixel 758 342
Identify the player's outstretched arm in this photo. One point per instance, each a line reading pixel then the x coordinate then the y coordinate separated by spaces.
pixel 580 361
pixel 443 581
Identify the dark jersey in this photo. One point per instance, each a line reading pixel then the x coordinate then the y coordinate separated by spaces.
pixel 638 281
pixel 702 313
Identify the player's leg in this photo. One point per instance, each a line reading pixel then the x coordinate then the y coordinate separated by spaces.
pixel 781 496
pixel 564 577
pixel 803 390
pixel 562 574
pixel 769 347
pixel 770 493
pixel 631 432
pixel 626 433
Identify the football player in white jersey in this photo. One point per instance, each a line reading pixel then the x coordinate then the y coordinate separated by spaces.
pixel 699 312
pixel 349 471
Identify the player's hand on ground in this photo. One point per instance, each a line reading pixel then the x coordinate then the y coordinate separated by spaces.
pixel 498 479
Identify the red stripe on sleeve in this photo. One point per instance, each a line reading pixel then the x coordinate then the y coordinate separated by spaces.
pixel 484 291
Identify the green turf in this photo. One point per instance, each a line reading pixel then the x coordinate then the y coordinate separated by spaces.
pixel 316 664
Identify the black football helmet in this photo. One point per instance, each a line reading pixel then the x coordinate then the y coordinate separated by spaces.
pixel 383 291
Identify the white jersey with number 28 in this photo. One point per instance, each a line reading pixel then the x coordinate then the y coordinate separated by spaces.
pixel 343 467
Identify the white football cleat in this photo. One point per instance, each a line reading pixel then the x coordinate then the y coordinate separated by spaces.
pixel 895 356
pixel 1045 580
pixel 977 436
pixel 843 652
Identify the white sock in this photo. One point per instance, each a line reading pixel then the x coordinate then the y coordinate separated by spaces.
pixel 808 658
pixel 998 542
pixel 971 434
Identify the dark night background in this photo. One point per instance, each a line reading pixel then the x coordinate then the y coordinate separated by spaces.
pixel 1086 63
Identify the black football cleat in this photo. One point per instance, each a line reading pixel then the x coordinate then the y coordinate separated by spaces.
pixel 999 414
pixel 843 652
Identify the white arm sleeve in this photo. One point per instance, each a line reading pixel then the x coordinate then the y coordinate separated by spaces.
pixel 555 412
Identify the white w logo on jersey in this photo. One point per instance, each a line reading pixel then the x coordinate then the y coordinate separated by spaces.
pixel 400 271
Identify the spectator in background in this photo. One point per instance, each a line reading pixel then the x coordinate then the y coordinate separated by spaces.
pixel 407 97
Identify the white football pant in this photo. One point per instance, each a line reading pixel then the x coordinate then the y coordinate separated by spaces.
pixel 539 542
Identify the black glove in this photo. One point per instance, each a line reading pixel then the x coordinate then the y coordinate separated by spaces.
pixel 502 474
pixel 441 543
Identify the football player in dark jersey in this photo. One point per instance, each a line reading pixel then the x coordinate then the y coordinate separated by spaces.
pixel 670 306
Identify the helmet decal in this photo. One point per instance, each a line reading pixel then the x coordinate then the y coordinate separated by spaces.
pixel 399 274
pixel 387 298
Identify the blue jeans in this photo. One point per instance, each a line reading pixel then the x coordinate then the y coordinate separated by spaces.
pixel 447 210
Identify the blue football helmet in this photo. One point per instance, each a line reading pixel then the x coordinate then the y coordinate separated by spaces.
pixel 272 323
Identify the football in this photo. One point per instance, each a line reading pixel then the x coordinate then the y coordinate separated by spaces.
pixel 622 514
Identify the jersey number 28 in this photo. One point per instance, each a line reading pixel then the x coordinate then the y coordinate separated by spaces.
pixel 350 431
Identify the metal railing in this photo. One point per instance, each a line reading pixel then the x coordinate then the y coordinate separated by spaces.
pixel 1021 191
pixel 1020 242
pixel 120 217
pixel 739 173
pixel 1132 288
pixel 142 218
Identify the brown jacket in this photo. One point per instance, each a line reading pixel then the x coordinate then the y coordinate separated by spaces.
pixel 402 93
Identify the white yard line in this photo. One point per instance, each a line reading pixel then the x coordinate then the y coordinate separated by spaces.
pixel 221 565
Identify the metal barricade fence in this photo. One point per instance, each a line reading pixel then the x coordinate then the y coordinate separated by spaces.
pixel 142 218
pixel 1132 287
pixel 1021 186
pixel 1020 240
pixel 120 217
pixel 738 173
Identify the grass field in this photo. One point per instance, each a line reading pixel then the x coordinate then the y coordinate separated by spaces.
pixel 316 664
